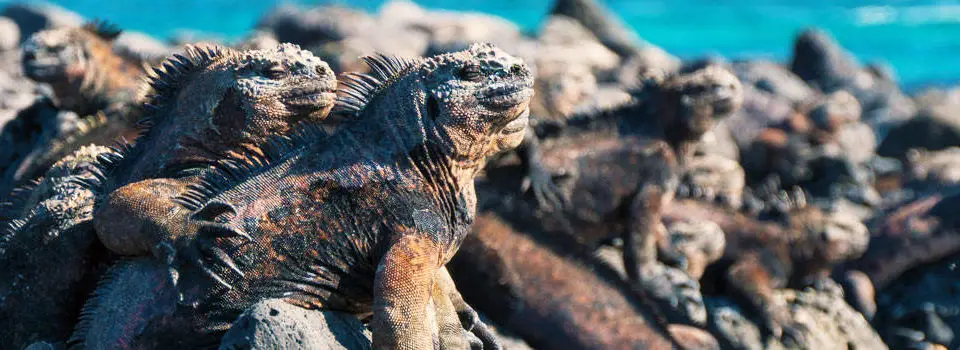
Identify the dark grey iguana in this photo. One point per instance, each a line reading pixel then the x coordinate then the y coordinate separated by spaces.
pixel 359 221
pixel 207 103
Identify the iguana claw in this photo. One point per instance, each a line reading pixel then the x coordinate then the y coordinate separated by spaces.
pixel 548 195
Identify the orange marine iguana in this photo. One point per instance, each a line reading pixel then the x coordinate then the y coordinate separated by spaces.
pixel 549 292
pixel 359 221
pixel 207 103
pixel 87 77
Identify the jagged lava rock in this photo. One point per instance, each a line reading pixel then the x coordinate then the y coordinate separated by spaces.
pixel 774 78
pixel 34 17
pixel 829 321
pixel 276 324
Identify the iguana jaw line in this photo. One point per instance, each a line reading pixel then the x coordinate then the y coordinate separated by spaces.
pixel 519 123
pixel 500 98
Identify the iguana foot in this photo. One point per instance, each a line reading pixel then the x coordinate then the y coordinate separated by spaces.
pixel 675 293
pixel 794 336
pixel 202 250
pixel 779 324
pixel 672 257
pixel 825 285
pixel 471 323
pixel 549 196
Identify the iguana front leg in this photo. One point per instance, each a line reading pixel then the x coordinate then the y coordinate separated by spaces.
pixel 464 319
pixel 135 218
pixel 402 292
pixel 143 218
pixel 752 280
pixel 539 179
pixel 645 234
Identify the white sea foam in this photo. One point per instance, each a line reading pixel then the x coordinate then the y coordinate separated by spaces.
pixel 906 15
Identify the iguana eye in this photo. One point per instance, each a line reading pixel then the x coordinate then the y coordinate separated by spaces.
pixel 274 71
pixel 470 73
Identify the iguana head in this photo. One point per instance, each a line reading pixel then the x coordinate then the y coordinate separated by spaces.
pixel 469 104
pixel 59 54
pixel 81 65
pixel 828 236
pixel 478 99
pixel 268 88
pixel 212 101
pixel 695 101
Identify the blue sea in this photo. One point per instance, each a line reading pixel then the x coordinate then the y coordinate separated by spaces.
pixel 919 38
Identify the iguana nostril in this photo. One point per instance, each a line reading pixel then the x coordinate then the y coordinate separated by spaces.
pixel 516 68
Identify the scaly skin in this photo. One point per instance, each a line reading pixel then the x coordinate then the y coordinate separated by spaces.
pixel 82 68
pixel 552 297
pixel 194 94
pixel 88 78
pixel 49 255
pixel 760 256
pixel 228 102
pixel 621 164
pixel 359 221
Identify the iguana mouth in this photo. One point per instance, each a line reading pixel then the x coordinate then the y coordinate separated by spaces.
pixel 317 96
pixel 41 67
pixel 506 95
pixel 518 124
pixel 724 107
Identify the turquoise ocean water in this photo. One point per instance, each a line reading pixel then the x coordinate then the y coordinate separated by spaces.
pixel 919 38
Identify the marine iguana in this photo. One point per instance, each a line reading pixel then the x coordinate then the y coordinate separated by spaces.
pixel 207 103
pixel 619 167
pixel 359 221
pixel 258 94
pixel 797 250
pixel 88 78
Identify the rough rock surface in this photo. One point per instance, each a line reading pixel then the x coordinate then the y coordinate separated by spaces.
pixel 835 111
pixel 922 308
pixel 275 324
pixel 143 46
pixel 33 17
pixel 939 168
pixel 9 34
pixel 774 78
pixel 564 40
pixel 760 110
pixel 939 131
pixel 825 65
pixel 829 321
pixel 316 25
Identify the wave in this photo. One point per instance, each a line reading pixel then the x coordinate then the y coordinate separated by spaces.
pixel 906 15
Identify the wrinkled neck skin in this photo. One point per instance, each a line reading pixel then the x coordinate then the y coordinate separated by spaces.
pixel 83 93
pixel 404 134
pixel 407 130
pixel 182 136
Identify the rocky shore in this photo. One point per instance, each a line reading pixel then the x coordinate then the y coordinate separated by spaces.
pixel 805 204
